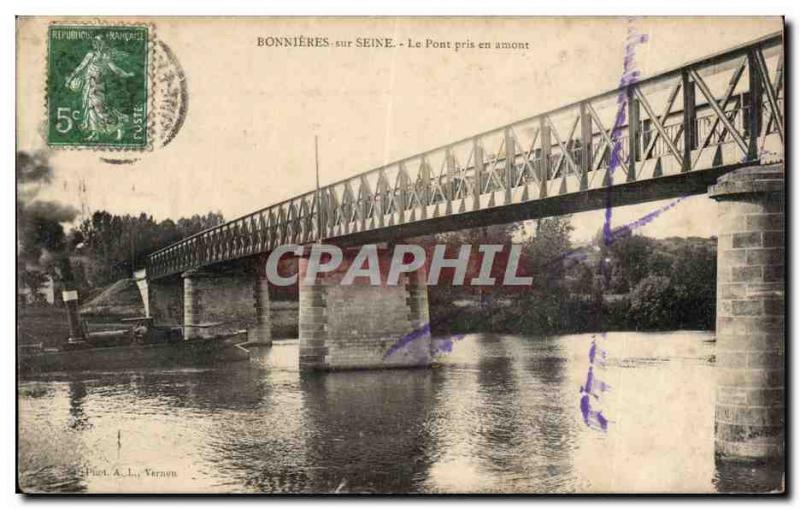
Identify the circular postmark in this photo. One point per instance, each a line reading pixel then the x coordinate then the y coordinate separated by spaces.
pixel 170 93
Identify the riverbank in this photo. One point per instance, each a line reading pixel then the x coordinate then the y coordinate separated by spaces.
pixel 559 314
pixel 47 324
pixel 41 324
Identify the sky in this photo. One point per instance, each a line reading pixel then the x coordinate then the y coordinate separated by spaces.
pixel 248 138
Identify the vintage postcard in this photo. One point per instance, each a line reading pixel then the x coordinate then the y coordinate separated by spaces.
pixel 400 255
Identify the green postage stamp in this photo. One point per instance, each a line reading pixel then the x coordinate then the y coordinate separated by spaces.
pixel 97 86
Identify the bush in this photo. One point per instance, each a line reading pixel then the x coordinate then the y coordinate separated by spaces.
pixel 652 303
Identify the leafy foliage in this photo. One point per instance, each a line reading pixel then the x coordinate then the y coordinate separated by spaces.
pixel 651 302
pixel 33 280
pixel 634 283
pixel 109 247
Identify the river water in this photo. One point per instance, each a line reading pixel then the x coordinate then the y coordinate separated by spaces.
pixel 499 414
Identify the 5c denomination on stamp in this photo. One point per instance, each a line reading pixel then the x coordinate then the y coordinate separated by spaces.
pixel 97 93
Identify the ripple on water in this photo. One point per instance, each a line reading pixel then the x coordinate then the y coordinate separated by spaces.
pixel 499 414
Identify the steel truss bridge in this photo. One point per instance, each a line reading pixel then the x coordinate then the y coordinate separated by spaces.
pixel 685 127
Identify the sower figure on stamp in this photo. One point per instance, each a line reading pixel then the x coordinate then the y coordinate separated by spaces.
pixel 89 78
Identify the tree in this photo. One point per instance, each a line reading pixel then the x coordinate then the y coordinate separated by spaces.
pixel 694 270
pixel 34 281
pixel 544 307
pixel 110 246
pixel 628 259
pixel 652 303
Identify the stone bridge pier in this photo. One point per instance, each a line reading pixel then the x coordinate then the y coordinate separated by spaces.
pixel 750 399
pixel 237 298
pixel 163 299
pixel 356 326
pixel 232 298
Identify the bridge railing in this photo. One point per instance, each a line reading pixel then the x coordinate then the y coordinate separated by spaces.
pixel 721 110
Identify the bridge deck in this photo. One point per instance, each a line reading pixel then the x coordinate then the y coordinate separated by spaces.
pixel 670 135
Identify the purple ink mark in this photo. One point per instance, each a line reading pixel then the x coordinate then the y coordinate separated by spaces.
pixel 592 418
pixel 589 386
pixel 579 253
pixel 446 346
pixel 408 339
pixel 642 221
pixel 593 351
pixel 591 389
pixel 585 407
pixel 630 75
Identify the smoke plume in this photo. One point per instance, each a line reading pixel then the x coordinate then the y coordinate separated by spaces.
pixel 41 238
pixel 33 168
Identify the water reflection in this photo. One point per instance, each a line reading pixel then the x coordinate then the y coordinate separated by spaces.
pixel 77 393
pixel 260 446
pixel 367 431
pixel 500 414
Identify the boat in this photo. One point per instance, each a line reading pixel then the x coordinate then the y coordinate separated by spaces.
pixel 141 344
